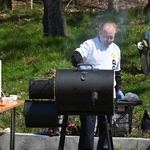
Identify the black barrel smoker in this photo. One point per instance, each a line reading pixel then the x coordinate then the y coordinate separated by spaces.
pixel 84 92
pixel 75 92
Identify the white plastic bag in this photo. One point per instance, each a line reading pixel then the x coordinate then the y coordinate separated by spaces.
pixel 131 97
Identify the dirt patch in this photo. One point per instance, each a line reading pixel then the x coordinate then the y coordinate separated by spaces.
pixel 103 4
pixel 89 4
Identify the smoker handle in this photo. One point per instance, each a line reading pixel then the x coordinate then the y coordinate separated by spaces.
pixel 82 64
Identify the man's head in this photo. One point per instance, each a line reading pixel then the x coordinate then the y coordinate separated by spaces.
pixel 107 33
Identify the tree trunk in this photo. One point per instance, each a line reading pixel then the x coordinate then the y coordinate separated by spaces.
pixel 54 22
pixel 5 4
pixel 110 5
pixel 147 7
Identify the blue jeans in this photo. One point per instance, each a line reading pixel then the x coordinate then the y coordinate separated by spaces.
pixel 86 140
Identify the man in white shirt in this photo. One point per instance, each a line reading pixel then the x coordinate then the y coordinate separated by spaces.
pixel 102 53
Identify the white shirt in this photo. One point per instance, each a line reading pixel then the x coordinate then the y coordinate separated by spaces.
pixel 100 57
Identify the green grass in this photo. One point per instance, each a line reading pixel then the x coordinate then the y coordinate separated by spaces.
pixel 26 54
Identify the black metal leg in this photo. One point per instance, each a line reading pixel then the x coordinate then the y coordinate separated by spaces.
pixel 109 135
pixel 12 130
pixel 63 132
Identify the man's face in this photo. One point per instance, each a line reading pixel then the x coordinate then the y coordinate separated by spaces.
pixel 107 35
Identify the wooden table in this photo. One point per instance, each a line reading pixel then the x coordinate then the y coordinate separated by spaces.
pixel 11 106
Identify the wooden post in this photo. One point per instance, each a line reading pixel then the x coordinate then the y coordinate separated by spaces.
pixel 31 4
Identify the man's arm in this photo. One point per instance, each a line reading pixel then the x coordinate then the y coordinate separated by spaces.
pixel 118 80
pixel 143 44
pixel 118 86
pixel 76 58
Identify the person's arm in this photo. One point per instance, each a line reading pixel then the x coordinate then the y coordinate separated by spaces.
pixel 118 86
pixel 142 44
pixel 118 80
pixel 76 58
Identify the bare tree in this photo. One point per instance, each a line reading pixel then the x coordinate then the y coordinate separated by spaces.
pixel 113 5
pixel 110 5
pixel 4 4
pixel 147 7
pixel 54 22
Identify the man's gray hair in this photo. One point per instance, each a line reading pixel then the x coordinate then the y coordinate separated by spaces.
pixel 107 23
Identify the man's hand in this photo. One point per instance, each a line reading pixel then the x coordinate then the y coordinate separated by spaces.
pixel 83 67
pixel 140 46
pixel 120 95
pixel 143 44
